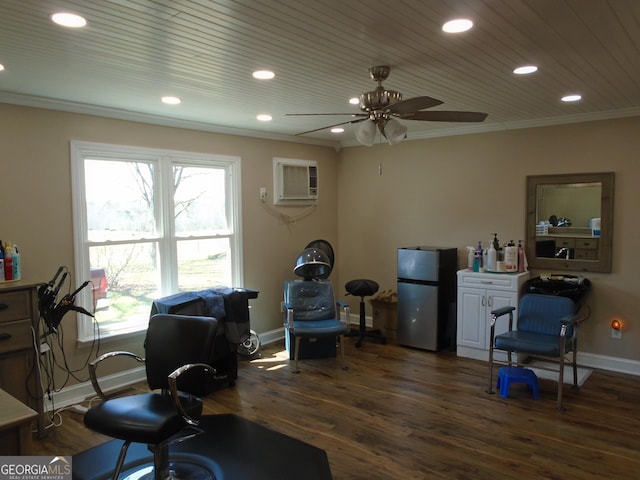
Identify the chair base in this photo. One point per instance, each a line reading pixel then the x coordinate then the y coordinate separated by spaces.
pixel 226 449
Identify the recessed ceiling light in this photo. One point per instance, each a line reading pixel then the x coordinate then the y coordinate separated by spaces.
pixel 1 67
pixel 70 20
pixel 337 130
pixel 574 97
pixel 263 117
pixel 169 100
pixel 525 70
pixel 458 25
pixel 263 74
pixel 354 100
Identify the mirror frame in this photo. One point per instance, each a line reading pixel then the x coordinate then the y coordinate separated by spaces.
pixel 603 264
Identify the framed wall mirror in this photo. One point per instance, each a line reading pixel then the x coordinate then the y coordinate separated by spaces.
pixel 570 221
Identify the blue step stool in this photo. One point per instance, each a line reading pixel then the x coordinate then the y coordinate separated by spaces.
pixel 510 375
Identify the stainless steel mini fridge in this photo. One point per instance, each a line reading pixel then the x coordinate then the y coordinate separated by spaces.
pixel 427 297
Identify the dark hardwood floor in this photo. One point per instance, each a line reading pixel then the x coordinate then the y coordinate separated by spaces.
pixel 399 413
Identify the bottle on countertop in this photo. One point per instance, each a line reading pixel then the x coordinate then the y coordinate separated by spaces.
pixel 492 255
pixel 471 252
pixel 477 259
pixel 521 261
pixel 1 262
pixel 511 257
pixel 8 261
pixel 17 268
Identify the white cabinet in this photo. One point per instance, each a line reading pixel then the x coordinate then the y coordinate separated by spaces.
pixel 478 295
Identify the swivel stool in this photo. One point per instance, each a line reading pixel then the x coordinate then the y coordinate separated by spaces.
pixel 363 288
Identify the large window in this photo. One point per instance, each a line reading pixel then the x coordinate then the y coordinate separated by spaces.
pixel 149 223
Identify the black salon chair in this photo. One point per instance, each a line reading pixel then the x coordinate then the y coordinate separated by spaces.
pixel 363 288
pixel 176 351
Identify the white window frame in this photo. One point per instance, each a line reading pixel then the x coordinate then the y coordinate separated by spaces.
pixel 165 159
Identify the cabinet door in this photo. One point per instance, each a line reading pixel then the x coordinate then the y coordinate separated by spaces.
pixel 471 317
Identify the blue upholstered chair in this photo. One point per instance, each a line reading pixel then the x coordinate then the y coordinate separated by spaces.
pixel 311 312
pixel 547 328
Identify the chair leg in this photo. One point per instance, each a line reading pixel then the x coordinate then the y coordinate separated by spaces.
pixel 120 461
pixel 560 382
pixel 341 337
pixel 490 384
pixel 296 354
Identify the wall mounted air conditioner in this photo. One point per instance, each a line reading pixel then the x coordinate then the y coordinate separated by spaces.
pixel 295 182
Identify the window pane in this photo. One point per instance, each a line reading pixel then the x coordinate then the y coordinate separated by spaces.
pixel 132 282
pixel 200 201
pixel 204 264
pixel 120 200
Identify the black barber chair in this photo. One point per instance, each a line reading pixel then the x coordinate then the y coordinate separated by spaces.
pixel 177 349
pixel 363 288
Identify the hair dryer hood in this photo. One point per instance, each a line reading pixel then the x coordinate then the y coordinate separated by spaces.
pixel 312 263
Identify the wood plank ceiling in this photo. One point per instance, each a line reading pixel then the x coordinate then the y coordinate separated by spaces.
pixel 203 51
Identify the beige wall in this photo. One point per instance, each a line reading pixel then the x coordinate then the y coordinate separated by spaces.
pixel 36 201
pixel 450 191
pixel 455 191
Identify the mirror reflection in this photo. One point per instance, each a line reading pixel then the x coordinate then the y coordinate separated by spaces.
pixel 569 220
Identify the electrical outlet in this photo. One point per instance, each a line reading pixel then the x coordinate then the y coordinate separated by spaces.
pixel 263 194
pixel 617 334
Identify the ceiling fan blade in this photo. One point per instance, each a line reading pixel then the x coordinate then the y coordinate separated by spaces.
pixel 309 114
pixel 334 125
pixel 445 116
pixel 413 105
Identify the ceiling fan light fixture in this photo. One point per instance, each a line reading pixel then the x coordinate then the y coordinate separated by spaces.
pixel 366 133
pixel 457 25
pixel 354 100
pixel 395 131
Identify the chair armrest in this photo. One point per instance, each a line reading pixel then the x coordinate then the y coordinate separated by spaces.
pixel 173 386
pixel 287 312
pixel 498 312
pixel 345 308
pixel 94 365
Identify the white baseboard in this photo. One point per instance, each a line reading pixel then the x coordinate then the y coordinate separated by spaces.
pixel 82 392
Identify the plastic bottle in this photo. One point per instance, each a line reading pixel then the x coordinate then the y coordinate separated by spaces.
pixel 520 256
pixel 1 262
pixel 477 259
pixel 17 273
pixel 492 254
pixel 8 261
pixel 511 257
pixel 470 256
